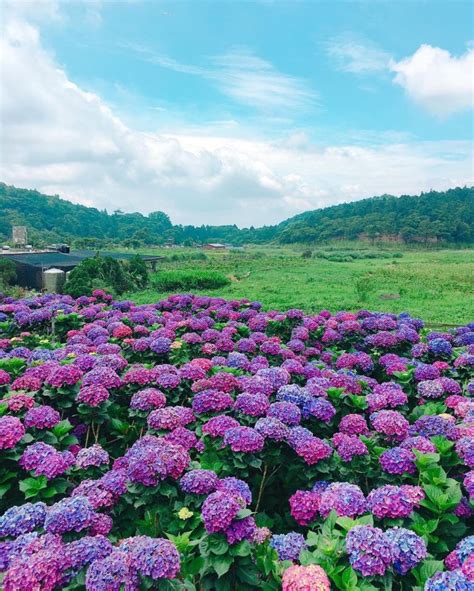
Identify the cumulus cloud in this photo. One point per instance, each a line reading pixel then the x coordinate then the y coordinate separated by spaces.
pixel 437 80
pixel 60 138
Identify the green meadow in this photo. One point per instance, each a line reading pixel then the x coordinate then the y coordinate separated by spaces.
pixel 436 285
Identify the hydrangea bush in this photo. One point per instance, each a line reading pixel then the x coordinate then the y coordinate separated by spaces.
pixel 200 444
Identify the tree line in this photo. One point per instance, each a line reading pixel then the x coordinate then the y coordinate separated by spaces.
pixel 435 216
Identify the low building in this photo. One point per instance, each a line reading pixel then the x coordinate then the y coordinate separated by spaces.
pixel 31 266
pixel 214 246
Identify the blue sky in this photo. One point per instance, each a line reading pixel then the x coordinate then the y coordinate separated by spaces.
pixel 242 111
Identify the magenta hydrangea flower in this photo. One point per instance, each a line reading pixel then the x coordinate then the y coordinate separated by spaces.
pixel 390 423
pixel 11 432
pixel 43 570
pixel 63 376
pixel 217 426
pixel 419 443
pixel 92 395
pixel 89 548
pixel 170 417
pixel 272 428
pixel 102 376
pixel 430 389
pixel 312 449
pixel 353 424
pixel 465 450
pixel 348 446
pixel 469 483
pixel 151 459
pixel 304 506
pixel 96 493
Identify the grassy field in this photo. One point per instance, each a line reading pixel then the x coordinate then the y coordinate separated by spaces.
pixel 437 285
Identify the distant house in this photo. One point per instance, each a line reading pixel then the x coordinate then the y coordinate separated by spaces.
pixel 214 246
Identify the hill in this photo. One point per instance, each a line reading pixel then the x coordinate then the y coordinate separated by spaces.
pixel 431 217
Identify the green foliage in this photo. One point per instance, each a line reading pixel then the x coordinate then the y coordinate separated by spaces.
pixel 280 278
pixel 7 272
pixel 189 280
pixel 107 273
pixel 432 217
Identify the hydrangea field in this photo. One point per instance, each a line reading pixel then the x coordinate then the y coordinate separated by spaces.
pixel 200 444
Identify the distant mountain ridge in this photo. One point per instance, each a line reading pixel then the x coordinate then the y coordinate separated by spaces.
pixel 436 216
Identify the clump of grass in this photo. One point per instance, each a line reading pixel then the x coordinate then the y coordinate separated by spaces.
pixel 189 280
pixel 347 256
pixel 188 256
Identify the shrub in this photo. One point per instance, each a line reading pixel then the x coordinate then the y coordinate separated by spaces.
pixel 107 273
pixel 189 280
pixel 7 273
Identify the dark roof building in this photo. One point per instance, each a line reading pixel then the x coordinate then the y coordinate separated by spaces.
pixel 30 266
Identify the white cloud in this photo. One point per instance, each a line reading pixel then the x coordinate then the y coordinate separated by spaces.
pixel 355 54
pixel 433 78
pixel 59 138
pixel 438 81
pixel 244 77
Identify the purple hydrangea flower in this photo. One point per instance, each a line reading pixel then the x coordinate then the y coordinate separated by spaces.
pixel 42 417
pixel 244 439
pixel 148 399
pixel 219 510
pixel 449 581
pixel 70 514
pixel 11 432
pixel 92 456
pixel 236 487
pixel 398 461
pixel 199 482
pixel 156 558
pixel 22 519
pixel 407 549
pixel 288 546
pixel 346 499
pixel 394 502
pixel 113 573
pixel 368 549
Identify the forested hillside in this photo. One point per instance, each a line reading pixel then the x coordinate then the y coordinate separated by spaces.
pixel 431 217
